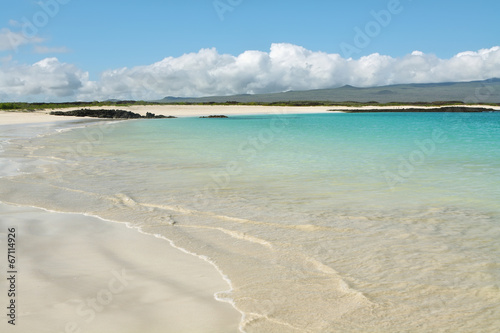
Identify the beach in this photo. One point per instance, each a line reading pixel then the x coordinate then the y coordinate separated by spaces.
pixel 208 225
pixel 165 110
pixel 200 111
pixel 170 168
pixel 81 274
pixel 78 273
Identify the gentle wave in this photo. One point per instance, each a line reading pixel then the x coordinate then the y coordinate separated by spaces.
pixel 308 237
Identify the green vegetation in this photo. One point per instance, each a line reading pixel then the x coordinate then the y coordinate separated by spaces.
pixel 327 103
pixel 10 106
pixel 43 106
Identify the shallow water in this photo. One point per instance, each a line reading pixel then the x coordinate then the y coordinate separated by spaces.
pixel 322 223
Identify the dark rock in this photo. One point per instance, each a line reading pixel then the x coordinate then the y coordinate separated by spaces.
pixel 215 116
pixel 108 114
pixel 441 109
pixel 163 117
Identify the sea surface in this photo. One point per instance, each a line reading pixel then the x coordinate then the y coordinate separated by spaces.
pixel 372 222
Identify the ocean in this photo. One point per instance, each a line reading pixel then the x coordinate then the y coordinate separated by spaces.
pixel 369 222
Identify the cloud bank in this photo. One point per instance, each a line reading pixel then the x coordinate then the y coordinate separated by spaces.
pixel 207 72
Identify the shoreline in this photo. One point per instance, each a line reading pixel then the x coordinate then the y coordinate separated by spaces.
pixel 71 258
pixel 66 259
pixel 41 116
pixel 80 272
pixel 90 252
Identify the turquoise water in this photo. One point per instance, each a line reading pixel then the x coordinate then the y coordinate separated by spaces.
pixel 384 222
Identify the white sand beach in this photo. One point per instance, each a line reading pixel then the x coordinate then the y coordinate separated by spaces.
pixel 196 111
pixel 13 118
pixel 81 274
pixel 166 110
pixel 239 110
pixel 235 110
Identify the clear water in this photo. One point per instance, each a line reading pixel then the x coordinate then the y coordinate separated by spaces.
pixel 323 223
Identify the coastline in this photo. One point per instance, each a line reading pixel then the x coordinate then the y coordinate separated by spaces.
pixel 79 272
pixel 98 246
pixel 17 117
pixel 23 118
pixel 82 273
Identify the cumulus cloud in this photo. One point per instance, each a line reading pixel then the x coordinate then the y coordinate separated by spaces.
pixel 48 78
pixel 284 67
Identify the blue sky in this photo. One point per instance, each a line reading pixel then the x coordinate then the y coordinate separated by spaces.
pixel 93 37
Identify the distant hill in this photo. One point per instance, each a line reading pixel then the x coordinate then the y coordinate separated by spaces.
pixel 487 91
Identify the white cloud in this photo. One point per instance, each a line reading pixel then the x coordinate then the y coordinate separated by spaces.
pixel 6 59
pixel 10 41
pixel 290 67
pixel 207 72
pixel 48 78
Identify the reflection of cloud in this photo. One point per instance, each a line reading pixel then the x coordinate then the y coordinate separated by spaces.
pixel 207 72
pixel 45 49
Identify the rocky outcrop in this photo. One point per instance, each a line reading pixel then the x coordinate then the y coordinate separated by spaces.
pixel 215 116
pixel 441 109
pixel 108 114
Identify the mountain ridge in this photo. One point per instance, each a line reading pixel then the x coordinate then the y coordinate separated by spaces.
pixel 484 91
